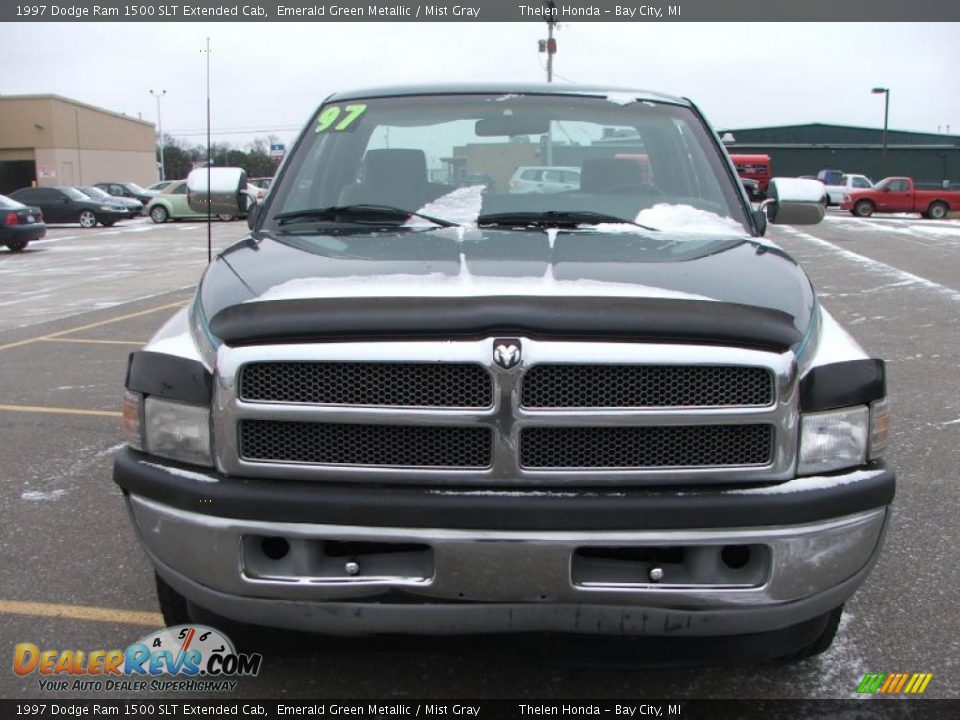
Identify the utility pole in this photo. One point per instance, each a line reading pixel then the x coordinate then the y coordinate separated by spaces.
pixel 158 95
pixel 886 117
pixel 551 42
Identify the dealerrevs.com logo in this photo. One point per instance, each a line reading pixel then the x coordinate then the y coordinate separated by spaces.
pixel 199 658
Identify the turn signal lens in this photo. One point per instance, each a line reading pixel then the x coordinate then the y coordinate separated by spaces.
pixel 132 409
pixel 881 422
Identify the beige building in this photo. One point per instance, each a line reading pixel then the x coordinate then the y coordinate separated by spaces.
pixel 51 140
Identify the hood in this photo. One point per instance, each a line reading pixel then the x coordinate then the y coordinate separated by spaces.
pixel 420 273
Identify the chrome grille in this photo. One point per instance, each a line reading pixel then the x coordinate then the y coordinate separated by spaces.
pixel 454 385
pixel 639 386
pixel 571 413
pixel 365 445
pixel 646 447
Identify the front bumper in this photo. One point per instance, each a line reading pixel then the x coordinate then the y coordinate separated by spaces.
pixel 497 573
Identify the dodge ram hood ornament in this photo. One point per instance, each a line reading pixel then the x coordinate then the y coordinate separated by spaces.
pixel 506 353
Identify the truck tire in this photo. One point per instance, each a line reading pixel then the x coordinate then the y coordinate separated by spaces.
pixel 863 208
pixel 937 211
pixel 173 605
pixel 823 641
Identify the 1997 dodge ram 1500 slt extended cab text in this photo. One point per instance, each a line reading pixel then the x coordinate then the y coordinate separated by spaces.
pixel 411 404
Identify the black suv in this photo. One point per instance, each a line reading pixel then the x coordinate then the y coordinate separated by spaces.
pixel 69 205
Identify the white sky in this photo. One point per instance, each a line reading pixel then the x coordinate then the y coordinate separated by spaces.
pixel 269 77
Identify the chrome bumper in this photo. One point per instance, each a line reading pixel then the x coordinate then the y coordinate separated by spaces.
pixel 495 581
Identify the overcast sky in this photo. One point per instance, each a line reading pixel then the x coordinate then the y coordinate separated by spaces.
pixel 267 78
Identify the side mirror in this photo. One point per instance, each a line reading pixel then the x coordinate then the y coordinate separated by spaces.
pixel 225 195
pixel 794 201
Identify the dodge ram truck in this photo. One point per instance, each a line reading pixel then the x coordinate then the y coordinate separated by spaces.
pixel 409 404
pixel 898 195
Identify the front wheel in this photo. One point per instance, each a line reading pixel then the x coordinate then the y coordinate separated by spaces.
pixel 17 245
pixel 937 211
pixel 863 208
pixel 87 219
pixel 159 214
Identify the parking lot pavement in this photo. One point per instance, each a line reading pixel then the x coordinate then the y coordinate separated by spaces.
pixel 75 577
pixel 74 270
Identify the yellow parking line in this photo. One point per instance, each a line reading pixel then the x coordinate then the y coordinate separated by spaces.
pixel 60 411
pixel 81 612
pixel 92 341
pixel 101 323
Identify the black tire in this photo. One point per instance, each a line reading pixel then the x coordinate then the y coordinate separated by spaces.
pixel 937 211
pixel 863 208
pixel 173 605
pixel 108 223
pixel 159 214
pixel 17 245
pixel 87 219
pixel 823 641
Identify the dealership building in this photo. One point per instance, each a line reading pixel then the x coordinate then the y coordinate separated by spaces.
pixel 52 140
pixel 929 158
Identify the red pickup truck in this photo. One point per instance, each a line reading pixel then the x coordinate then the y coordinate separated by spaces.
pixel 897 195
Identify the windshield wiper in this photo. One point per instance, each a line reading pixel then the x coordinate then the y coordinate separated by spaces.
pixel 556 218
pixel 334 211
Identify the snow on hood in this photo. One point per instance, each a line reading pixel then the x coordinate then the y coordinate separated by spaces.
pixel 463 285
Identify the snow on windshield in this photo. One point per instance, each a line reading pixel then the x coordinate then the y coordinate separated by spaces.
pixel 462 206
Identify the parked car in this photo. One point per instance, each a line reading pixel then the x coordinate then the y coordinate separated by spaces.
pixel 125 189
pixel 69 205
pixel 830 177
pixel 846 185
pixel 754 167
pixel 617 410
pixel 134 207
pixel 898 195
pixel 544 179
pixel 262 182
pixel 171 204
pixel 19 224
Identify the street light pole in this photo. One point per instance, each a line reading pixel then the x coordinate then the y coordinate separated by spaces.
pixel 159 95
pixel 886 119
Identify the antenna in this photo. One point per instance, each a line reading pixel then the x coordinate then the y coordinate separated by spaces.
pixel 209 161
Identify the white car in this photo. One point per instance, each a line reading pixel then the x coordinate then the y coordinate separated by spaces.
pixel 846 185
pixel 545 179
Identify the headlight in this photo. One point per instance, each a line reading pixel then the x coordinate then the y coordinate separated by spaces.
pixel 177 431
pixel 169 429
pixel 833 440
pixel 106 208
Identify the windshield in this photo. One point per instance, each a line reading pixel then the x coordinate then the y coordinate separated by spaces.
pixel 95 193
pixel 9 203
pixel 507 160
pixel 73 193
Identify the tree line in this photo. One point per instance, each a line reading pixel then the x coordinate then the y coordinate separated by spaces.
pixel 179 157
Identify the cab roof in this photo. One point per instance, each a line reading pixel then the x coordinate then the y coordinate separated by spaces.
pixel 492 88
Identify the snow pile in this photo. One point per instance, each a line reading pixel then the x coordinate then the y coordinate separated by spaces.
pixel 462 206
pixel 688 219
pixel 805 484
pixel 40 495
pixel 622 98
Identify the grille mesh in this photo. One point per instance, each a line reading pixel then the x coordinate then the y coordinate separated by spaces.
pixel 387 384
pixel 596 386
pixel 646 447
pixel 349 444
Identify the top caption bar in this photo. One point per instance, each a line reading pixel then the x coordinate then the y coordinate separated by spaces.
pixel 482 11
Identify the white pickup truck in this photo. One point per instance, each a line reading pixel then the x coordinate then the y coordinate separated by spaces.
pixel 846 184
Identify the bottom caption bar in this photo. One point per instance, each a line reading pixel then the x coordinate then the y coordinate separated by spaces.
pixel 687 709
